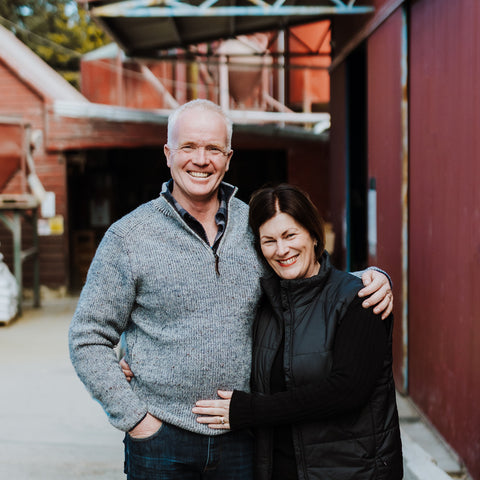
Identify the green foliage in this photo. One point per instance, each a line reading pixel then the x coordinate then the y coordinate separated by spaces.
pixel 56 30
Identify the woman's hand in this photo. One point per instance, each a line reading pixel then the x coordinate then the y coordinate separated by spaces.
pixel 216 411
pixel 126 369
pixel 378 286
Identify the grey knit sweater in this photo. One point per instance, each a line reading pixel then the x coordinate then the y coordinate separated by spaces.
pixel 187 328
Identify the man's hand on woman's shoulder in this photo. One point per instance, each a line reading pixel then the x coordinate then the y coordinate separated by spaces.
pixel 378 292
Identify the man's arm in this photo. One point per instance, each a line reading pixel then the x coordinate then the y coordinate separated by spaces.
pixel 378 289
pixel 101 316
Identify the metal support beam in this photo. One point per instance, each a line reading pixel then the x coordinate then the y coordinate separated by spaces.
pixel 158 86
pixel 12 219
pixel 120 114
pixel 253 116
pixel 149 8
pixel 405 193
pixel 223 83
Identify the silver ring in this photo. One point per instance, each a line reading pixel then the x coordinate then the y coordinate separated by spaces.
pixel 222 420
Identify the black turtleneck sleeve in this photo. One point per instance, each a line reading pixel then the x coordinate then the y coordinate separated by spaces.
pixel 359 350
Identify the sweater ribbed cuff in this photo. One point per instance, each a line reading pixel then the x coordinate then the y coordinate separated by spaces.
pixel 384 272
pixel 241 410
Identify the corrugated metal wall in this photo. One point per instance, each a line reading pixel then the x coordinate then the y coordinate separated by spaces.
pixel 385 162
pixel 445 220
pixel 444 199
pixel 109 81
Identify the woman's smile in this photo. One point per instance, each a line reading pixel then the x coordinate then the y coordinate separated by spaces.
pixel 288 261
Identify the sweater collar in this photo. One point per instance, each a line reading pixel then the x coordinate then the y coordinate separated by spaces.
pixel 227 190
pixel 164 205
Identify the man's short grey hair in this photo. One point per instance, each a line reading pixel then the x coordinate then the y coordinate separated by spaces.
pixel 203 105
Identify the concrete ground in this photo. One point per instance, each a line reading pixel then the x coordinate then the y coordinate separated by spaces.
pixel 426 456
pixel 52 430
pixel 50 427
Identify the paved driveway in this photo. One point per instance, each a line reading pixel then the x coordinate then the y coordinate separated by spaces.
pixel 50 428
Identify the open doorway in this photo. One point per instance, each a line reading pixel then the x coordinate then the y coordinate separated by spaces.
pixel 251 169
pixel 104 185
pixel 357 168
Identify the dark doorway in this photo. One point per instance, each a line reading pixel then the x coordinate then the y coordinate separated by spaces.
pixel 357 247
pixel 104 185
pixel 251 169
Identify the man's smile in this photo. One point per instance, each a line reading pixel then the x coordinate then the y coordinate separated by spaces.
pixel 199 174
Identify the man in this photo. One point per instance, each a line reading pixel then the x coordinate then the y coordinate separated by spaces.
pixel 179 277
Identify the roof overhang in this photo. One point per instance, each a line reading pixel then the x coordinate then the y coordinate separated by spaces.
pixel 77 126
pixel 145 27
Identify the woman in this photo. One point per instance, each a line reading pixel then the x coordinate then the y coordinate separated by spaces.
pixel 323 403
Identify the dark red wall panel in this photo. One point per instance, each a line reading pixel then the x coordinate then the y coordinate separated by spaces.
pixel 445 220
pixel 385 162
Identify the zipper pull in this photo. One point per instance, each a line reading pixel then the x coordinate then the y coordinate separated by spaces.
pixel 216 264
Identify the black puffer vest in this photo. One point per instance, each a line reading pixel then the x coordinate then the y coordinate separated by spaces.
pixel 360 445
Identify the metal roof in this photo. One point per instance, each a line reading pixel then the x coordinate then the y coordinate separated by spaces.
pixel 145 27
pixel 32 70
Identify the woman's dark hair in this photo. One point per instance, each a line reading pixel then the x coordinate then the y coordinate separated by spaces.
pixel 266 202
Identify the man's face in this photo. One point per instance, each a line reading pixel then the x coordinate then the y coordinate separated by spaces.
pixel 198 157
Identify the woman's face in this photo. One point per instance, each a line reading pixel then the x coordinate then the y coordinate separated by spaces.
pixel 288 247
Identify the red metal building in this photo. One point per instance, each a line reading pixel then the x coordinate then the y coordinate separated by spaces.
pixel 400 186
pixel 101 160
pixel 405 114
pixel 399 178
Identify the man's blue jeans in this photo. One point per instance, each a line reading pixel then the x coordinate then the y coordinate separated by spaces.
pixel 176 454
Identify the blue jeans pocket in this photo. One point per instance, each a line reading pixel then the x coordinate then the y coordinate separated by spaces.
pixel 146 439
pixel 144 456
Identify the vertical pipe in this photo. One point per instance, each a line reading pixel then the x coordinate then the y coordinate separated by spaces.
pixel 372 218
pixel 265 87
pixel 224 87
pixel 17 255
pixel 192 79
pixel 27 135
pixel 405 184
pixel 119 68
pixel 180 81
pixel 307 91
pixel 281 68
pixel 36 260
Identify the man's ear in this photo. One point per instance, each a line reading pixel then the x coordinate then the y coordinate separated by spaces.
pixel 229 157
pixel 166 151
